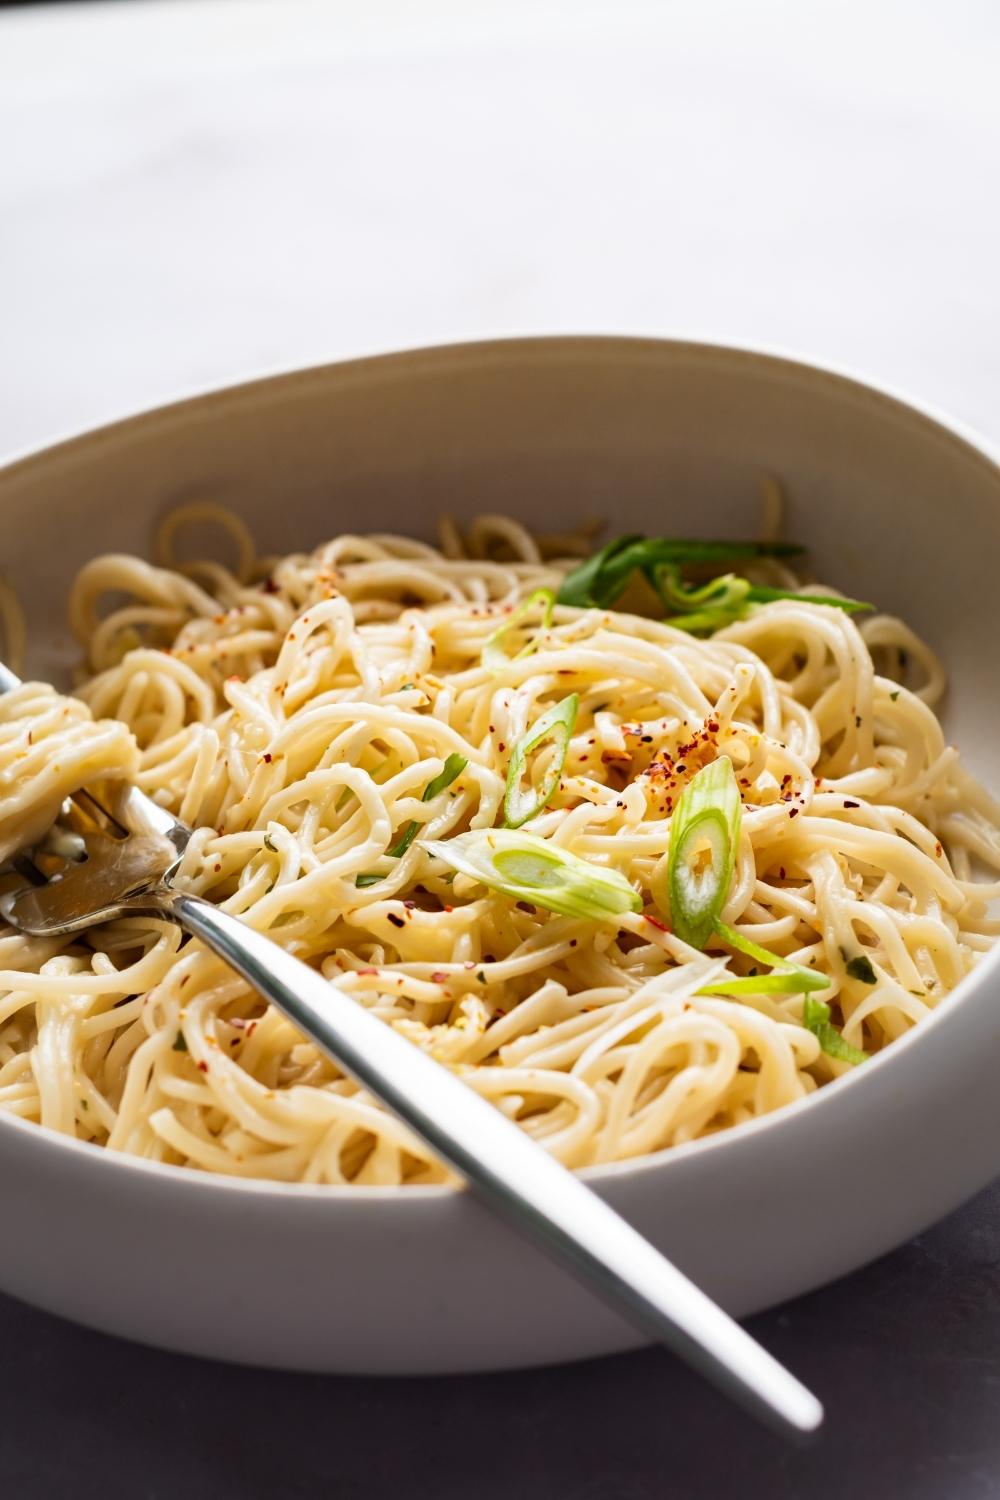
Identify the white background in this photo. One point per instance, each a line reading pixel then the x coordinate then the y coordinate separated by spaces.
pixel 196 191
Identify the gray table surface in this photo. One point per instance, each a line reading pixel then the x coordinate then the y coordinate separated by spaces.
pixel 197 191
pixel 905 1353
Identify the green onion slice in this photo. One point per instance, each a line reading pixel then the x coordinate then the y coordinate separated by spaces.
pixel 494 653
pixel 726 594
pixel 761 594
pixel 698 609
pixel 599 580
pixel 816 1018
pixel 703 621
pixel 787 982
pixel 527 868
pixel 805 979
pixel 555 724
pixel 708 621
pixel 727 599
pixel 453 767
pixel 704 832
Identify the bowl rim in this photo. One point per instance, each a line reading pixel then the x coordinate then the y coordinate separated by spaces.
pixel 943 427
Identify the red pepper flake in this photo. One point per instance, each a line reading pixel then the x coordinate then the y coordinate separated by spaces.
pixel 396 921
pixel 203 1066
pixel 655 922
pixel 366 971
pixel 438 976
pixel 850 804
pixel 793 812
pixel 781 872
pixel 267 758
pixel 269 586
pixel 449 908
pixel 501 747
pixel 938 850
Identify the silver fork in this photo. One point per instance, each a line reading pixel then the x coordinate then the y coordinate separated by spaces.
pixel 132 853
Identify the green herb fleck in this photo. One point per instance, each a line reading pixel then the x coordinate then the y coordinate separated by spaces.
pixel 861 968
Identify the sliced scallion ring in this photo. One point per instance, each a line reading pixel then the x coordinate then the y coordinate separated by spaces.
pixel 555 724
pixel 704 832
pixel 494 652
pixel 527 868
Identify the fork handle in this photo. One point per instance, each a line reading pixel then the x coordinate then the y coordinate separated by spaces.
pixel 513 1175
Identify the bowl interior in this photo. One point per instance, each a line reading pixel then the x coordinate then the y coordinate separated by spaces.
pixel 657 437
pixel 651 436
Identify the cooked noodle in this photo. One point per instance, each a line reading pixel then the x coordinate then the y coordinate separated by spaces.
pixel 294 710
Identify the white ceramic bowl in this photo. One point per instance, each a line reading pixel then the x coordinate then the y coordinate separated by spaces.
pixel 657 436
